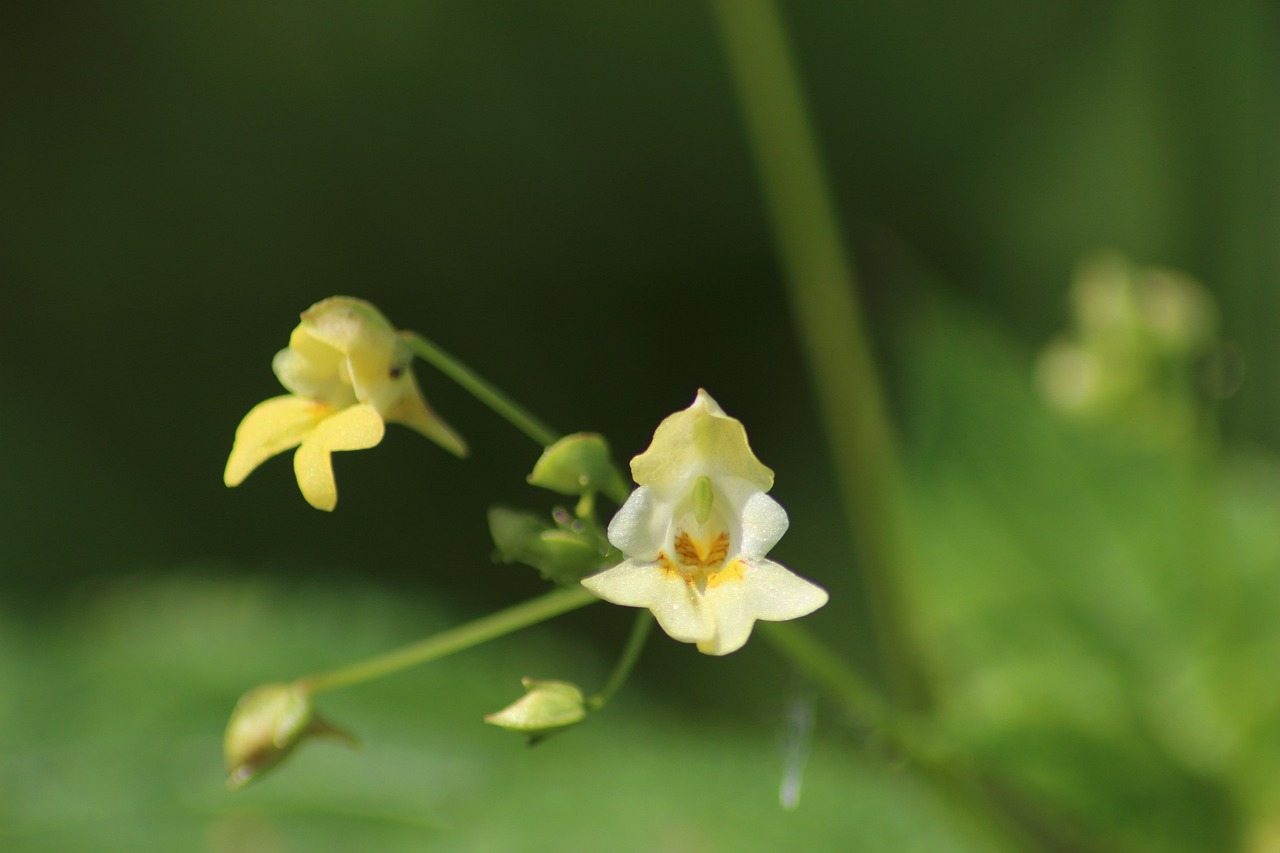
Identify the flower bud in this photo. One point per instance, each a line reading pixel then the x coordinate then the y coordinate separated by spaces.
pixel 575 465
pixel 561 554
pixel 546 708
pixel 267 725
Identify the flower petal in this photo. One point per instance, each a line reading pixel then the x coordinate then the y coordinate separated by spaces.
pixel 348 324
pixel 765 591
pixel 374 355
pixel 763 522
pixel 678 607
pixel 701 439
pixel 355 428
pixel 310 368
pixel 273 426
pixel 639 528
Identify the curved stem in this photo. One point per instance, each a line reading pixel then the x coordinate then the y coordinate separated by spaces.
pixel 457 639
pixel 514 413
pixel 640 630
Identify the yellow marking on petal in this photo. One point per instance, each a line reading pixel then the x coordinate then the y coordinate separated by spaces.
pixel 731 573
pixel 664 565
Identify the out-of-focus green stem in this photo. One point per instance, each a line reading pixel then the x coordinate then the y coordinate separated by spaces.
pixel 481 389
pixel 640 630
pixel 912 737
pixel 823 296
pixel 861 702
pixel 457 639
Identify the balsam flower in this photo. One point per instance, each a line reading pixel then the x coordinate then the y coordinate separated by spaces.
pixel 348 372
pixel 695 534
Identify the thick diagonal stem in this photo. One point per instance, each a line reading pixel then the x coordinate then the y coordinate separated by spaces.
pixel 824 301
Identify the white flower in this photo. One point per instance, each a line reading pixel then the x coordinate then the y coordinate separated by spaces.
pixel 695 534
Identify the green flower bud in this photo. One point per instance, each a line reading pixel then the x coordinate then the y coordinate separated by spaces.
pixel 546 708
pixel 575 465
pixel 267 725
pixel 561 554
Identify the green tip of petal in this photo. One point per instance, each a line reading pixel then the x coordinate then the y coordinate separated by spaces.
pixel 427 423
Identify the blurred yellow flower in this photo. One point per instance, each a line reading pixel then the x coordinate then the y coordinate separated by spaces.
pixel 1137 354
pixel 348 372
pixel 695 534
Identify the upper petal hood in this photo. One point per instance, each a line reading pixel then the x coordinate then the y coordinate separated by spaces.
pixel 701 439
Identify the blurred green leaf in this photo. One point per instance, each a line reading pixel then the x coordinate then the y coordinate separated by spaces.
pixel 116 743
pixel 1090 603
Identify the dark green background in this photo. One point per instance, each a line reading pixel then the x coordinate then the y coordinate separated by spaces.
pixel 561 195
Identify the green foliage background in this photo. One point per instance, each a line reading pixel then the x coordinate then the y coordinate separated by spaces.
pixel 561 194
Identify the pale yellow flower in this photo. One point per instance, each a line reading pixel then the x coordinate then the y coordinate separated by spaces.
pixel 695 534
pixel 348 372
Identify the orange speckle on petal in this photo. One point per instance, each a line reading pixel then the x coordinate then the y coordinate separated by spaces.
pixel 664 565
pixel 693 554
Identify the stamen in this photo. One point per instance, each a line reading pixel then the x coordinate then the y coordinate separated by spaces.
pixel 698 566
pixel 703 498
pixel 691 553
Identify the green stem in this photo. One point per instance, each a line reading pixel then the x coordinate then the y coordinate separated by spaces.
pixel 861 701
pixel 481 389
pixel 913 738
pixel 640 630
pixel 453 640
pixel 823 294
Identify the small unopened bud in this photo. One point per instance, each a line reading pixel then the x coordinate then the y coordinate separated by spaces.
pixel 575 465
pixel 267 725
pixel 546 708
pixel 561 554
